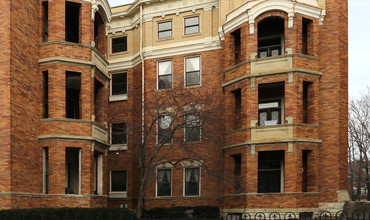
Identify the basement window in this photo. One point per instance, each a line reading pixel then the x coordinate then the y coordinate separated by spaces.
pixel 73 87
pixel 45 7
pixel 119 44
pixel 270 171
pixel 238 108
pixel 72 22
pixel 271 37
pixel 73 170
pixel 45 94
pixel 270 104
pixel 118 184
pixel 237 46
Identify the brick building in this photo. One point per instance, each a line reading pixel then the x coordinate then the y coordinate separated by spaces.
pixel 75 72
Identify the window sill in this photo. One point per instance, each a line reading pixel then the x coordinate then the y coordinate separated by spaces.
pixel 117 195
pixel 192 35
pixel 193 86
pixel 165 39
pixel 114 98
pixel 192 142
pixel 119 53
pixel 164 90
pixel 118 147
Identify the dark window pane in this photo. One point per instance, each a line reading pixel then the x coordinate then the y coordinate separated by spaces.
pixel 118 181
pixel 192 128
pixel 192 181
pixel 164 130
pixel 164 182
pixel 119 44
pixel 119 84
pixel 193 78
pixel 119 133
pixel 165 82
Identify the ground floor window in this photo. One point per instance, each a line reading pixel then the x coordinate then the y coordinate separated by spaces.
pixel 164 182
pixel 270 171
pixel 192 176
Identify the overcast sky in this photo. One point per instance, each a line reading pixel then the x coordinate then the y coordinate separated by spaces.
pixel 359 49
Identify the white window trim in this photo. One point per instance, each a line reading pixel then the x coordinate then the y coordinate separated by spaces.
pixel 191 16
pixel 200 181
pixel 120 97
pixel 200 71
pixel 159 61
pixel 111 45
pixel 117 194
pixel 156 181
pixel 118 147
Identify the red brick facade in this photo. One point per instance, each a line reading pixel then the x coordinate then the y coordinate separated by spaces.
pixel 311 132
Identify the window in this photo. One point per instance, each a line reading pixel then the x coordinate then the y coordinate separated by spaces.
pixel 237 45
pixel 165 129
pixel 118 86
pixel 164 182
pixel 271 37
pixel 72 22
pixel 45 94
pixel 165 74
pixel 45 159
pixel 119 44
pixel 98 173
pixel 237 170
pixel 307 44
pixel 192 181
pixel 270 171
pixel 73 170
pixel 73 88
pixel 45 6
pixel 192 128
pixel 307 102
pixel 192 66
pixel 164 29
pixel 238 108
pixel 118 184
pixel 270 103
pixel 119 136
pixel 191 25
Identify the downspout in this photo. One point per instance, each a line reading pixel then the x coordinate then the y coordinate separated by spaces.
pixel 142 75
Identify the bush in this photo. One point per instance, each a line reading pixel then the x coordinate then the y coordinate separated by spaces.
pixel 68 213
pixel 178 212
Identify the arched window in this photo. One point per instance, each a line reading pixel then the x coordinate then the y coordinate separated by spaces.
pixel 271 37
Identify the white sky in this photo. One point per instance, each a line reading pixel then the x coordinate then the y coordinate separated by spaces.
pixel 359 48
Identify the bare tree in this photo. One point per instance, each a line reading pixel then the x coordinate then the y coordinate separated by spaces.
pixel 359 142
pixel 171 118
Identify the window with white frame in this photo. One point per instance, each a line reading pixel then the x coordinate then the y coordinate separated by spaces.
pixel 164 29
pixel 164 182
pixel 192 177
pixel 164 133
pixel 191 25
pixel 192 71
pixel 192 127
pixel 119 136
pixel 118 184
pixel 119 44
pixel 165 74
pixel 118 89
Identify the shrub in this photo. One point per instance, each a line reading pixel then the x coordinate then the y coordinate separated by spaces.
pixel 178 212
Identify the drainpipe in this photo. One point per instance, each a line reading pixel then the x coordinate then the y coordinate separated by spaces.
pixel 142 74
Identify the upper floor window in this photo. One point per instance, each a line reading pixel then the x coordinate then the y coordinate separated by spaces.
pixel 164 133
pixel 270 103
pixel 191 25
pixel 72 22
pixel 192 75
pixel 118 86
pixel 165 74
pixel 119 136
pixel 192 128
pixel 119 44
pixel 164 29
pixel 271 37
